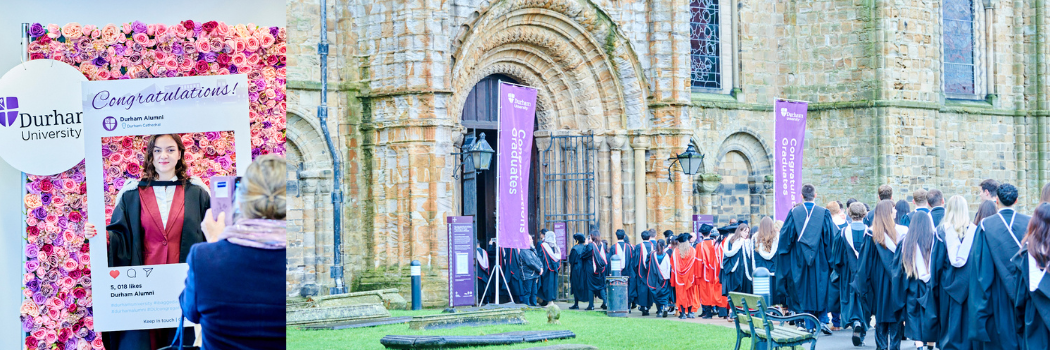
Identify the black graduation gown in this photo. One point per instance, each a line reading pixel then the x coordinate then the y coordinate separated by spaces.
pixel 626 270
pixel 953 304
pixel 126 236
pixel 482 273
pixel 735 271
pixel 640 268
pixel 578 274
pixel 997 322
pixel 595 268
pixel 874 281
pixel 549 280
pixel 921 321
pixel 845 260
pixel 937 214
pixel 511 264
pixel 658 288
pixel 126 248
pixel 834 292
pixel 803 267
pixel 1036 305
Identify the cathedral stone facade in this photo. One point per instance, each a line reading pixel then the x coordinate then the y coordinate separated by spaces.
pixel 917 94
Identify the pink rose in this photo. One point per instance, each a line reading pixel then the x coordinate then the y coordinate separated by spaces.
pixel 151 29
pixel 253 43
pixel 89 28
pixel 222 29
pixel 70 265
pixel 67 236
pixel 126 28
pixel 203 46
pixel 141 38
pixel 54 31
pixel 241 45
pixel 267 40
pixel 97 343
pixel 238 59
pixel 180 31
pixel 30 308
pixel 40 333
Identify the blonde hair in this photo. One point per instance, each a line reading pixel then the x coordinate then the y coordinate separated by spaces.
pixel 766 234
pixel 956 216
pixel 263 189
pixel 882 226
pixel 834 208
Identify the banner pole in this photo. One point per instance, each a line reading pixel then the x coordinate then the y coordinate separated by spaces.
pixel 24 178
pixel 499 250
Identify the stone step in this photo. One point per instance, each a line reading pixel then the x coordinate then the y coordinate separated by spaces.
pixel 450 341
pixel 473 319
pixel 322 315
pixel 371 322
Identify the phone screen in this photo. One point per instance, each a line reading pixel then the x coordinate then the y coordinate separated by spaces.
pixel 224 192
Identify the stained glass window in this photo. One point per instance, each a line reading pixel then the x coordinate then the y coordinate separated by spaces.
pixel 706 70
pixel 958 47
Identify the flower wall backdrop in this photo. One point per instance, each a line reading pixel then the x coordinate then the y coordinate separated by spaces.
pixel 57 312
pixel 207 154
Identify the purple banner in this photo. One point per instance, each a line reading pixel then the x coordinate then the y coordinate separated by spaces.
pixel 517 113
pixel 559 235
pixel 789 136
pixel 461 255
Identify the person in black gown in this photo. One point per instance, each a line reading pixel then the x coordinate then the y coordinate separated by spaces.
pixel 875 276
pixel 957 232
pixel 737 255
pixel 845 261
pixel 640 268
pixel 595 269
pixel 921 256
pixel 625 251
pixel 993 290
pixel 551 256
pixel 481 270
pixel 1032 265
pixel 577 274
pixel 885 192
pixel 803 266
pixel 936 200
pixel 657 278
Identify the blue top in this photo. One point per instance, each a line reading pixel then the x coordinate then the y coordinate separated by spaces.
pixel 236 294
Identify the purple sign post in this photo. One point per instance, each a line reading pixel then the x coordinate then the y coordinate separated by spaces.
pixel 789 136
pixel 461 261
pixel 700 220
pixel 559 235
pixel 517 113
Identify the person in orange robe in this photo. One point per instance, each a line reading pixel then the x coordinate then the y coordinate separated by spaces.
pixel 686 296
pixel 707 276
pixel 721 301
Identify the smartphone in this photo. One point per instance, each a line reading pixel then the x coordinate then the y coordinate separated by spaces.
pixel 224 194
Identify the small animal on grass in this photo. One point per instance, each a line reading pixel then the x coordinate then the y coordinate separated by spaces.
pixel 553 314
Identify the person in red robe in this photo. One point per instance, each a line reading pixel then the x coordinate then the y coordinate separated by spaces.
pixel 155 221
pixel 708 273
pixel 687 297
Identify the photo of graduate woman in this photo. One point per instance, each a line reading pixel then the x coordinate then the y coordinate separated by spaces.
pixel 155 221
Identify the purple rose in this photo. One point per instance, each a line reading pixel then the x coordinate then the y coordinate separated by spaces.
pixel 90 335
pixel 254 96
pixel 212 135
pixel 38 298
pixel 45 198
pixel 139 27
pixel 177 49
pixel 256 152
pixel 63 222
pixel 31 250
pixel 36 30
pixel 209 57
pixel 99 61
pixel 33 285
pixel 39 213
pixel 267 124
pixel 71 343
pixel 77 176
pixel 106 152
pixel 27 323
pixel 33 188
pixel 274 31
pixel 119 49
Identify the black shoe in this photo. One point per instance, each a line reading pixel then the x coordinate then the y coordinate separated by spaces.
pixel 824 329
pixel 706 317
pixel 574 307
pixel 604 307
pixel 690 315
pixel 858 336
pixel 645 312
pixel 589 308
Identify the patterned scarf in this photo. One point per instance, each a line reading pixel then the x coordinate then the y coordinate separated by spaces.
pixel 257 233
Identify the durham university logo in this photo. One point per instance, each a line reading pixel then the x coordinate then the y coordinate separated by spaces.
pixel 8 112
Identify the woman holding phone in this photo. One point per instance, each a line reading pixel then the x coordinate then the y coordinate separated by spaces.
pixel 155 221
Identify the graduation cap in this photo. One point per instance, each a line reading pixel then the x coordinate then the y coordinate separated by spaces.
pixel 682 238
pixel 725 230
pixel 705 229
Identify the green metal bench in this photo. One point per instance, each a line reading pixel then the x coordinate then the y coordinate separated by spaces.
pixel 753 320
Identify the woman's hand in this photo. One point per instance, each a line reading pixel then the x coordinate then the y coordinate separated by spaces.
pixel 212 228
pixel 90 231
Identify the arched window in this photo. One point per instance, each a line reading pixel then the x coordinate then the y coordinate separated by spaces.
pixel 705 36
pixel 960 71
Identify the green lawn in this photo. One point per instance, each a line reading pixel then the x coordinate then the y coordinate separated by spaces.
pixel 590 327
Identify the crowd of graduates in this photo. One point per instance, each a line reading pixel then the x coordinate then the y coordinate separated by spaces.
pixel 937 275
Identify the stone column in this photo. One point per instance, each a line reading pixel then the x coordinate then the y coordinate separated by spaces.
pixel 616 144
pixel 640 143
pixel 604 190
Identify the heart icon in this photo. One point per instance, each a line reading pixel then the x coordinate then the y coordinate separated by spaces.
pixel 114 273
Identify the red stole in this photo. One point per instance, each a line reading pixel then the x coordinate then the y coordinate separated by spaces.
pixel 161 243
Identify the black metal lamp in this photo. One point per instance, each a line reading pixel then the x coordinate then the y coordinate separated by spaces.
pixel 690 160
pixel 481 153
